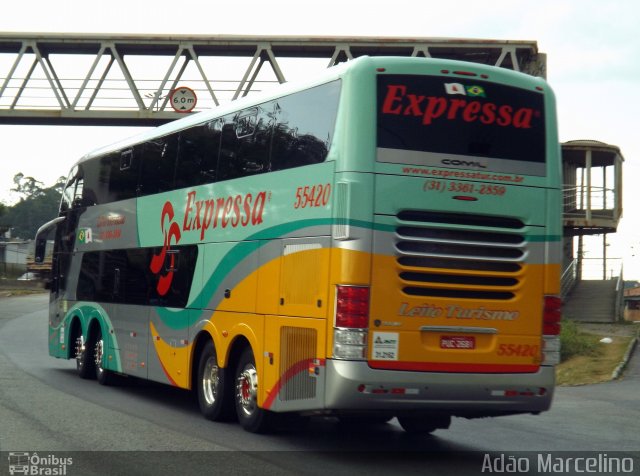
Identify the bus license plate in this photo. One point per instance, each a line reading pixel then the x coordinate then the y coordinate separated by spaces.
pixel 458 342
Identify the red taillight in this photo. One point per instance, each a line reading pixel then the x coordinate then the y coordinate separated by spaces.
pixel 352 307
pixel 552 315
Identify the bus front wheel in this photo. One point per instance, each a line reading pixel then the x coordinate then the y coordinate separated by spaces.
pixel 251 417
pixel 214 396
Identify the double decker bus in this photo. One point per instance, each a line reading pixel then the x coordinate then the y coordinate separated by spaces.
pixel 382 241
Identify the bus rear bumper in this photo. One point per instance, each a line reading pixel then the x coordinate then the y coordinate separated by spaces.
pixel 354 386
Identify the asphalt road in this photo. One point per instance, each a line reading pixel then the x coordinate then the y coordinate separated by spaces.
pixel 143 428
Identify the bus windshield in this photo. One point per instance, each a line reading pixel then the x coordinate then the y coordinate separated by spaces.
pixel 425 120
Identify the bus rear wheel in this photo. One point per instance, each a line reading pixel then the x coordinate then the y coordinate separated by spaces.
pixel 251 417
pixel 215 393
pixel 104 376
pixel 85 362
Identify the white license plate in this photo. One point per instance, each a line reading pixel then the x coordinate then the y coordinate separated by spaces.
pixel 458 342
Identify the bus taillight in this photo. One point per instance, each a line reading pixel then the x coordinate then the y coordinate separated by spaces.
pixel 551 330
pixel 351 322
pixel 352 307
pixel 552 315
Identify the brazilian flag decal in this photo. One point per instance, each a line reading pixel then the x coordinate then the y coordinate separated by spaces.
pixel 84 235
pixel 477 91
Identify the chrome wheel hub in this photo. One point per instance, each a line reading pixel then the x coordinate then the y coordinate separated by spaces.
pixel 80 349
pixel 99 352
pixel 210 380
pixel 247 390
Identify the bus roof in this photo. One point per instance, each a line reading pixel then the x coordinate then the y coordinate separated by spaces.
pixel 329 74
pixel 204 116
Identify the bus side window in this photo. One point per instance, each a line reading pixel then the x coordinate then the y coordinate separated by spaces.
pixel 73 194
pixel 227 156
pixel 93 186
pixel 123 168
pixel 158 164
pixel 69 192
pixel 246 123
pixel 78 195
pixel 180 264
pixel 123 276
pixel 89 284
pixel 134 278
pixel 246 144
pixel 304 127
pixel 126 158
pixel 198 156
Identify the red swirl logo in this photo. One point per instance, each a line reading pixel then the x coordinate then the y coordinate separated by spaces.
pixel 172 235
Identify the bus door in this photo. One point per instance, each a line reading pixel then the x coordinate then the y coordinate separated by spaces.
pixel 124 286
pixel 171 312
pixel 131 327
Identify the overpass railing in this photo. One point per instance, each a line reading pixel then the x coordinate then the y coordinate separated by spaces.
pixel 84 79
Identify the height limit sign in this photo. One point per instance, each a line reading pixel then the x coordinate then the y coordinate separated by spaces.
pixel 183 99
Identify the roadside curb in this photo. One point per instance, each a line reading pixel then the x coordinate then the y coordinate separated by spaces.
pixel 615 375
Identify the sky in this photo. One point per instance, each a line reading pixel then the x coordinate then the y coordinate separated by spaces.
pixel 592 49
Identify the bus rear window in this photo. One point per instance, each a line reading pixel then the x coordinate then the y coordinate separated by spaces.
pixel 460 122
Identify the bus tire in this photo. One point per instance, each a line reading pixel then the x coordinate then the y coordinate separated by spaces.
pixel 424 424
pixel 215 392
pixel 251 417
pixel 85 362
pixel 104 376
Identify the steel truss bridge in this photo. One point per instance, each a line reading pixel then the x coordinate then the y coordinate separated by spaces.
pixel 128 79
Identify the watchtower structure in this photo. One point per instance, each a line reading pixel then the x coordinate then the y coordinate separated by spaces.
pixel 592 173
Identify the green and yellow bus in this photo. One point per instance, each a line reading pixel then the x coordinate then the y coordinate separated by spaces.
pixel 382 241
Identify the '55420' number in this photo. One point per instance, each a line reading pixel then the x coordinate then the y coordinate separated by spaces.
pixel 312 196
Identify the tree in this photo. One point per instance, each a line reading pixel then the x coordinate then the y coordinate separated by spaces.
pixel 28 187
pixel 37 206
pixel 3 211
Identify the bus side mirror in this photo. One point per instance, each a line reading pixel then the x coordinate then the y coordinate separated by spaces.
pixel 41 239
pixel 41 247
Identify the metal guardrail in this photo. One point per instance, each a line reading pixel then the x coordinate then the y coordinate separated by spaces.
pixel 580 199
pixel 620 296
pixel 568 279
pixel 613 271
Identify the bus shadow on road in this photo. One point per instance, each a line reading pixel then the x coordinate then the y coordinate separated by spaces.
pixel 316 434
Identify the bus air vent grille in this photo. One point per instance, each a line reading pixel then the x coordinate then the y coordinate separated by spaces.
pixel 298 348
pixel 460 256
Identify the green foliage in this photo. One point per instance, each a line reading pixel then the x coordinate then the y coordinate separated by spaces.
pixel 28 187
pixel 574 342
pixel 3 211
pixel 37 206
